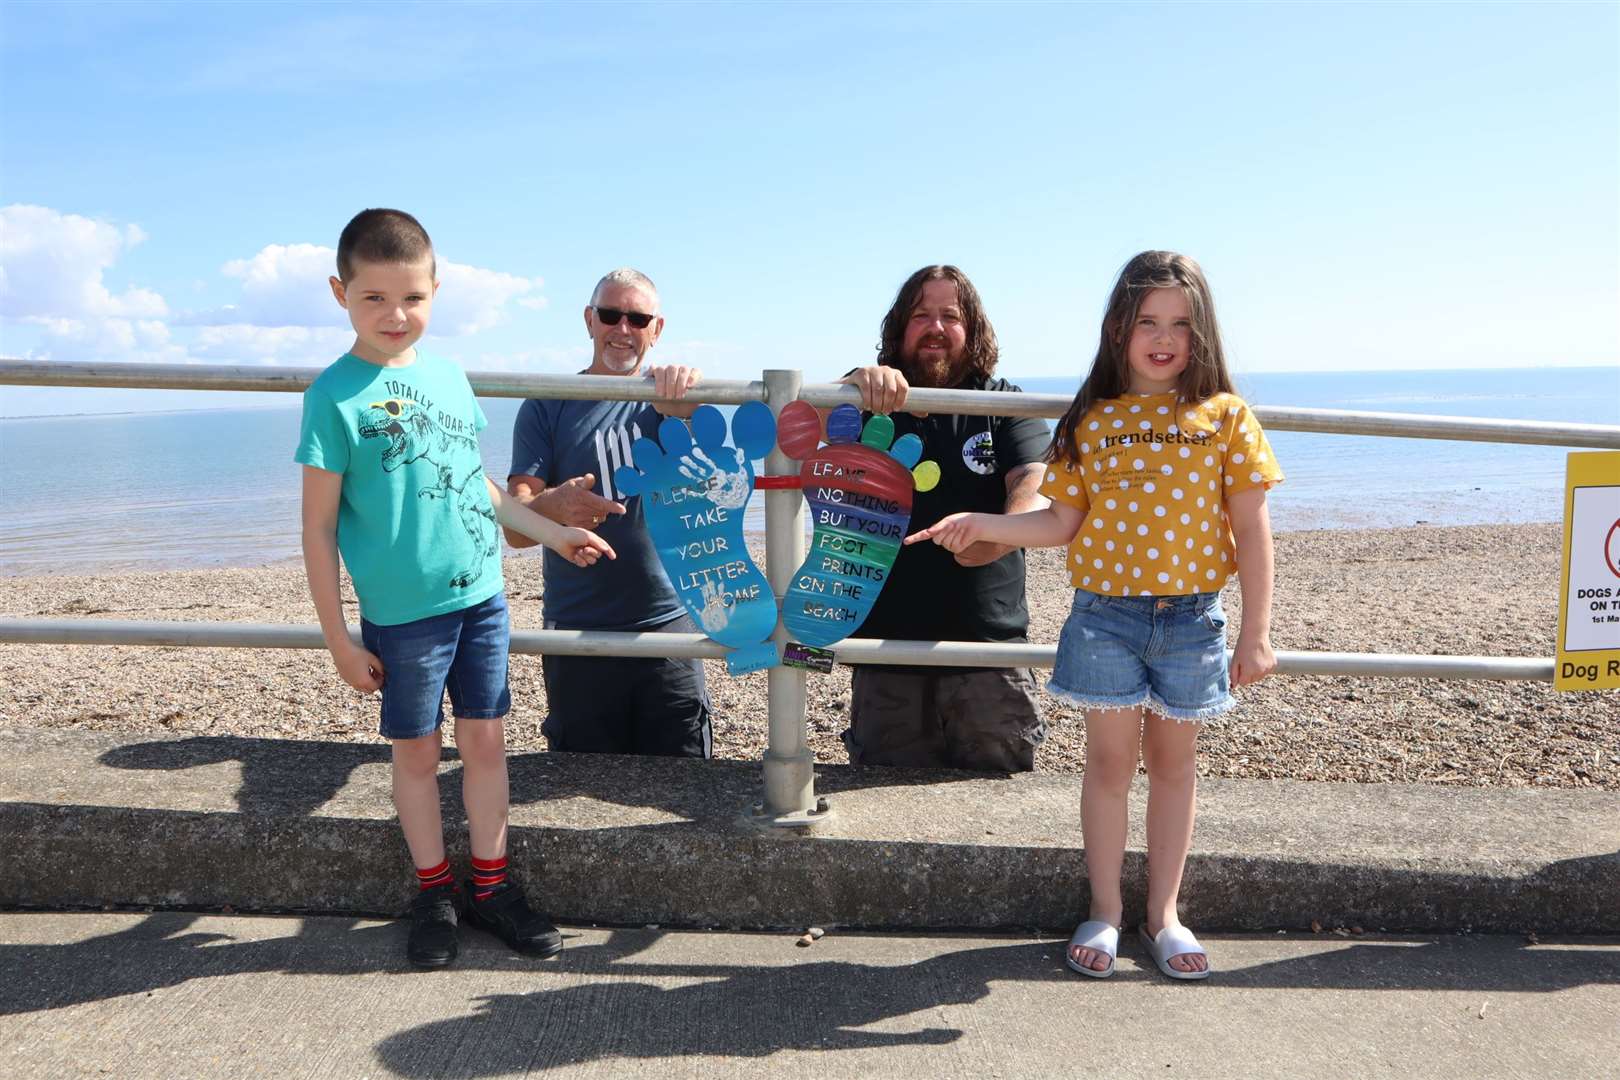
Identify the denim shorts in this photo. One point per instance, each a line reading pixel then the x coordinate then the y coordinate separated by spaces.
pixel 463 651
pixel 1165 652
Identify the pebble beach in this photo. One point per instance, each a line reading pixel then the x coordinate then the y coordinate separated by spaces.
pixel 1469 590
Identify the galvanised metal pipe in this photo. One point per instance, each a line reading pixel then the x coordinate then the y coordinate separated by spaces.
pixel 157 376
pixel 1278 418
pixel 1424 426
pixel 217 635
pixel 231 635
pixel 960 402
pixel 789 762
pixel 598 388
pixel 1414 666
pixel 1289 662
pixel 296 379
pixel 822 395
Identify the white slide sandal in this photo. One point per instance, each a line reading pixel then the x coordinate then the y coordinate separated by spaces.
pixel 1175 941
pixel 1098 935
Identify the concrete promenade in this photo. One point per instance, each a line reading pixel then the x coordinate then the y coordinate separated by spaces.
pixel 273 825
pixel 976 880
pixel 173 994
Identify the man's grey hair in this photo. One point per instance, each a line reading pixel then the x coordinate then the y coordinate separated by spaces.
pixel 628 278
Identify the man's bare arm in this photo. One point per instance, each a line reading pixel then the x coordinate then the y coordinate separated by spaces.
pixel 1023 495
pixel 571 502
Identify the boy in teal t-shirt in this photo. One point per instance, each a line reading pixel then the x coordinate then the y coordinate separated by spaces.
pixel 393 481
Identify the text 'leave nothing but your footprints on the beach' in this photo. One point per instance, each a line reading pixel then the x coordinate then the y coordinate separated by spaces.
pixel 859 488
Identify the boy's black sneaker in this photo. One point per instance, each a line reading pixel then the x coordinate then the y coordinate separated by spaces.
pixel 434 914
pixel 508 916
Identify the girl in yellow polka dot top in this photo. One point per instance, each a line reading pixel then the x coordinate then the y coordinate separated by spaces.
pixel 1157 475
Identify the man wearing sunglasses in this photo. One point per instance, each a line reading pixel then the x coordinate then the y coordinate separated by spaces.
pixel 564 454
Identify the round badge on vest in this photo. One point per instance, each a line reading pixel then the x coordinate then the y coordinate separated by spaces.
pixel 979 453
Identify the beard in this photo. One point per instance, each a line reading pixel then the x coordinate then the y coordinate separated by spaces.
pixel 617 366
pixel 935 372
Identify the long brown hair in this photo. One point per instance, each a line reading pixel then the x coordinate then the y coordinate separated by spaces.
pixel 981 351
pixel 1205 374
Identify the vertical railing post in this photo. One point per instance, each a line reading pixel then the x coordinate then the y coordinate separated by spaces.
pixel 790 797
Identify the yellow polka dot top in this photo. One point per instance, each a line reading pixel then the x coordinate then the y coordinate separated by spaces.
pixel 1152 478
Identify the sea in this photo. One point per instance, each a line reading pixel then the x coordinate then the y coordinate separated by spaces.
pixel 216 488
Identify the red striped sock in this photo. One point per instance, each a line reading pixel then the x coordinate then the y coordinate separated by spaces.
pixel 487 875
pixel 434 876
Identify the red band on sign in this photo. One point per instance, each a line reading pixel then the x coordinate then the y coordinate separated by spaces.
pixel 776 483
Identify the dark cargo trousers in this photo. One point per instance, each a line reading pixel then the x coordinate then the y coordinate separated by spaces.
pixel 981 720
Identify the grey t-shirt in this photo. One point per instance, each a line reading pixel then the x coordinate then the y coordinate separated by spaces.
pixel 559 440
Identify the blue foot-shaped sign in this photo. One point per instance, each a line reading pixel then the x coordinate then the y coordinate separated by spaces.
pixel 859 488
pixel 694 490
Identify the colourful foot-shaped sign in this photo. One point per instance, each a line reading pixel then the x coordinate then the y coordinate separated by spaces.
pixel 694 490
pixel 860 502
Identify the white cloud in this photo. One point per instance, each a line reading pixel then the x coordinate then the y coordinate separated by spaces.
pixel 55 300
pixel 471 298
pixel 52 264
pixel 285 285
pixel 297 346
pixel 151 341
pixel 121 340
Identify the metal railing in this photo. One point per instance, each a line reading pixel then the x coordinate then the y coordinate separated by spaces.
pixel 821 395
pixel 218 635
pixel 787 767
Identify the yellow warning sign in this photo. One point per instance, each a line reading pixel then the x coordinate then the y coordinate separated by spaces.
pixel 1589 601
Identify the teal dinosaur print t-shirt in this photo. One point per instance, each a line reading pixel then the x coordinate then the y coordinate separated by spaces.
pixel 415 524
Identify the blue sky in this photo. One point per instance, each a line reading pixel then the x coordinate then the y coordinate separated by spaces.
pixel 1370 186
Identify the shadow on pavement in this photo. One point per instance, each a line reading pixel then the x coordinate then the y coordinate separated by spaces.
pixel 607 1004
pixel 295 777
pixel 279 777
pixel 824 1005
pixel 163 950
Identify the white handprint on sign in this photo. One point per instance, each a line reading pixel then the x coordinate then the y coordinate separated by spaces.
pixel 713 614
pixel 727 488
pixel 695 488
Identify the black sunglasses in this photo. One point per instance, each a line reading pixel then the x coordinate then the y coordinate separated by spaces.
pixel 611 316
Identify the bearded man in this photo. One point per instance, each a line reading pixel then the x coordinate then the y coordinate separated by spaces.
pixel 936 335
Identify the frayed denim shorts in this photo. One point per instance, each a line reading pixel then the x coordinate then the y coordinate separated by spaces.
pixel 1165 652
pixel 463 651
